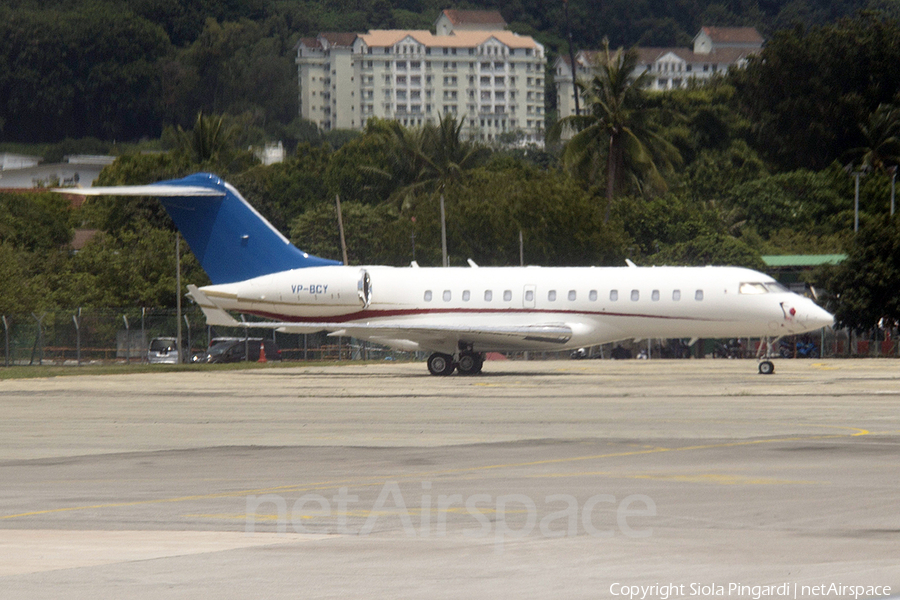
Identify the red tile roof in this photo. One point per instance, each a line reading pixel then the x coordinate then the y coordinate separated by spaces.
pixel 733 35
pixel 475 17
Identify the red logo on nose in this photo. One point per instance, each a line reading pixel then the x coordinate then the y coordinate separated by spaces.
pixel 793 311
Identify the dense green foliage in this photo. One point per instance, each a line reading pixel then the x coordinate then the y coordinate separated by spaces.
pixel 763 151
pixel 124 69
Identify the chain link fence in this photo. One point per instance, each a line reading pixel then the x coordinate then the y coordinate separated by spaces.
pixel 109 335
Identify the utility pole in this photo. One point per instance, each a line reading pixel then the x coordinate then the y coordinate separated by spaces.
pixel 178 293
pixel 444 233
pixel 337 202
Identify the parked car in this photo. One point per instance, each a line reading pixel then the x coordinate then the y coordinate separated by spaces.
pixel 234 351
pixel 163 351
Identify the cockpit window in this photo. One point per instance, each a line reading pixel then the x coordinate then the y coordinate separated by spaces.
pixel 772 287
pixel 753 288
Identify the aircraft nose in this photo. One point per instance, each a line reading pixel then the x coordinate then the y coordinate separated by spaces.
pixel 817 317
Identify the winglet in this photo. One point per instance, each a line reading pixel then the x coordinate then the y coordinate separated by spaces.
pixel 630 263
pixel 215 315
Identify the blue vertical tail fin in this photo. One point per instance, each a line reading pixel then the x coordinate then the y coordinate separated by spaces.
pixel 232 241
pixel 229 237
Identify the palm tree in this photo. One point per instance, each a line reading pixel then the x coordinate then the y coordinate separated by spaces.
pixel 431 159
pixel 616 137
pixel 882 137
pixel 209 139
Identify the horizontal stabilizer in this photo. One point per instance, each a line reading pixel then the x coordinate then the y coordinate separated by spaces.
pixel 215 316
pixel 156 191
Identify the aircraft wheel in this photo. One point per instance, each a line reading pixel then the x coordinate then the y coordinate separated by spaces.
pixel 440 364
pixel 766 367
pixel 469 363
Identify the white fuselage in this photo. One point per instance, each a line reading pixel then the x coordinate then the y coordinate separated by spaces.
pixel 598 304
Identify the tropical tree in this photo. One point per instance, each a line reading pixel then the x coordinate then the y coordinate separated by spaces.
pixel 882 136
pixel 430 160
pixel 617 136
pixel 862 290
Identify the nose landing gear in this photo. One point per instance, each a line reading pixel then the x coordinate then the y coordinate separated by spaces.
pixel 766 366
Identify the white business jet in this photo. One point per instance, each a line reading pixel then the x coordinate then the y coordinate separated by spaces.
pixel 458 314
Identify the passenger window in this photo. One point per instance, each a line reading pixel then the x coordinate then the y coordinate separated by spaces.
pixel 447 295
pixel 655 296
pixel 698 295
pixel 529 295
pixel 676 295
pixel 572 295
pixel 551 295
pixel 613 295
pixel 592 296
pixel 466 295
pixel 427 295
pixel 635 295
pixel 488 295
pixel 507 295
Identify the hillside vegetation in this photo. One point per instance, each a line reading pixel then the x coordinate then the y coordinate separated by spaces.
pixel 758 162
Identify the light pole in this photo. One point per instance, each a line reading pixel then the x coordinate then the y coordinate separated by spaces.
pixel 893 186
pixel 856 175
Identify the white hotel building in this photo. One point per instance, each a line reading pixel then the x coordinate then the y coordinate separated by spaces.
pixel 715 50
pixel 472 68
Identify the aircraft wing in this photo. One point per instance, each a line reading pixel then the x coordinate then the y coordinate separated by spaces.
pixel 448 336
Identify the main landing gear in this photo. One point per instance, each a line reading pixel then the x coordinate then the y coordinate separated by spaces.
pixel 467 363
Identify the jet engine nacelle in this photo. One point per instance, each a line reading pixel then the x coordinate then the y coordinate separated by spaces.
pixel 316 292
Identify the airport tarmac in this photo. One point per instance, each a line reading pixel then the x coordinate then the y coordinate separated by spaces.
pixel 566 479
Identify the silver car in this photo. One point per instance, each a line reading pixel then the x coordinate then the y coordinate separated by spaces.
pixel 163 351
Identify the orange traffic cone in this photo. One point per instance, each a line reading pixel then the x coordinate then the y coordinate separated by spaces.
pixel 262 353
